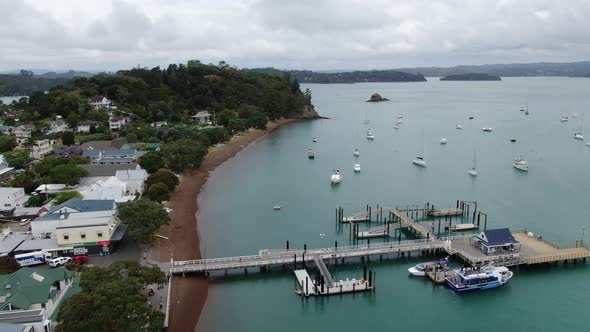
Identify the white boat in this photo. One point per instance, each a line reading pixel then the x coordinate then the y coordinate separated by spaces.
pixel 574 115
pixel 521 164
pixel 471 117
pixel 419 161
pixel 564 118
pixel 472 279
pixel 399 115
pixel 276 207
pixel 580 134
pixel 314 139
pixel 310 154
pixel 366 121
pixel 420 269
pixel 396 126
pixel 487 129
pixel 443 141
pixel 459 126
pixel 336 177
pixel 357 167
pixel 400 121
pixel 588 144
pixel 370 134
pixel 356 152
pixel 473 170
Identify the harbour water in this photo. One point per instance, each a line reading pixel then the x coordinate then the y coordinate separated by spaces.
pixel 236 215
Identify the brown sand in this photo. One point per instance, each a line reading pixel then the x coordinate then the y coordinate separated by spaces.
pixel 189 294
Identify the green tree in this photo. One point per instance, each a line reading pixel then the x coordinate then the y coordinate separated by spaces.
pixel 113 299
pixel 8 265
pixel 66 196
pixel 36 201
pixel 143 218
pixel 226 116
pixel 131 138
pixel 72 120
pixel 67 174
pixel 18 158
pixel 159 192
pixel 164 176
pixel 26 179
pixel 151 161
pixel 7 143
pixel 183 154
pixel 68 138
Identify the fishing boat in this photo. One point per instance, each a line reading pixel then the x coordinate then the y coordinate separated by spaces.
pixel 356 152
pixel 487 129
pixel 357 167
pixel 580 134
pixel 420 269
pixel 472 279
pixel 310 154
pixel 473 170
pixel 370 134
pixel 564 118
pixel 336 177
pixel 459 126
pixel 512 139
pixel 521 164
pixel 443 141
pixel 314 139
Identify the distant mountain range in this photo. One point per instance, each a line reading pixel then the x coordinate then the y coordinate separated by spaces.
pixel 26 82
pixel 574 69
pixel 306 76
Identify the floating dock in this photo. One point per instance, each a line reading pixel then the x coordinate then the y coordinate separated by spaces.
pixel 324 283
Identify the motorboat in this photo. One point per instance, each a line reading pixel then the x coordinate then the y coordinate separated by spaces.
pixel 443 141
pixel 357 167
pixel 512 139
pixel 419 161
pixel 471 117
pixel 336 177
pixel 521 164
pixel 472 279
pixel 396 126
pixel 400 116
pixel 526 112
pixel 588 144
pixel 400 121
pixel 564 118
pixel 276 207
pixel 420 269
pixel 487 129
pixel 356 152
pixel 370 134
pixel 310 154
pixel 314 139
pixel 580 134
pixel 459 126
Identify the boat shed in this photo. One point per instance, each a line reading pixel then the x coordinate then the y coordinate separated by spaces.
pixel 496 241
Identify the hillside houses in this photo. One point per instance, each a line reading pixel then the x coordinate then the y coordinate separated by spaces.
pixel 84 126
pixel 23 132
pixel 100 102
pixel 57 126
pixel 41 148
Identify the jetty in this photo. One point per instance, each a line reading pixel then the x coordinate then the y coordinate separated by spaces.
pixel 500 247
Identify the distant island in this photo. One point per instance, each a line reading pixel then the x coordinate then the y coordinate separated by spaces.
pixel 375 98
pixel 471 77
pixel 307 76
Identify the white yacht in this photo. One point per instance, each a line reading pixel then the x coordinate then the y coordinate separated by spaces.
pixel 472 279
pixel 443 141
pixel 419 161
pixel 336 177
pixel 459 126
pixel 357 167
pixel 314 139
pixel 564 118
pixel 473 170
pixel 370 134
pixel 396 126
pixel 487 129
pixel 521 164
pixel 580 134
pixel 310 154
pixel 356 152
pixel 400 116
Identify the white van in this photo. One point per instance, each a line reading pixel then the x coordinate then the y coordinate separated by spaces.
pixel 59 261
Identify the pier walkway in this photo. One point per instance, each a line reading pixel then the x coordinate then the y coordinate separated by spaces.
pixel 319 263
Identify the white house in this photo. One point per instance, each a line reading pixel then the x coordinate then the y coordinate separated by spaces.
pixel 11 198
pixel 41 148
pixel 32 296
pixel 84 126
pixel 99 102
pixel 159 124
pixel 201 117
pixel 111 188
pixel 134 179
pixel 115 122
pixel 23 132
pixel 57 126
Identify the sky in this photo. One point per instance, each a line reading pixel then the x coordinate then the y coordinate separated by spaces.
pixel 99 35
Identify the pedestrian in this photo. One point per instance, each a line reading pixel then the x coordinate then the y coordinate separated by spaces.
pixel 161 305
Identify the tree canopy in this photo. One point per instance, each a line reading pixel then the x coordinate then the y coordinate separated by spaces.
pixel 164 176
pixel 143 218
pixel 183 154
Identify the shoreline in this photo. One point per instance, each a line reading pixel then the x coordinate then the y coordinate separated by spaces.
pixel 188 295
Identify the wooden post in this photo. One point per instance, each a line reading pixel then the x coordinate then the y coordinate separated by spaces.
pixel 336 245
pixel 306 286
pixel 287 244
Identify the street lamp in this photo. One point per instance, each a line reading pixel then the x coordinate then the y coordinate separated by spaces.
pixel 583 229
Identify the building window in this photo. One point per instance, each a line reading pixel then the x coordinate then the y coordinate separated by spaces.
pixel 7 205
pixel 66 236
pixel 99 234
pixel 82 235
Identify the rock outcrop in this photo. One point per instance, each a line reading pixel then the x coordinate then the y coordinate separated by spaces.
pixel 376 98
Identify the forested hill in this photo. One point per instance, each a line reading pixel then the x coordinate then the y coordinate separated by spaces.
pixel 306 76
pixel 25 83
pixel 178 91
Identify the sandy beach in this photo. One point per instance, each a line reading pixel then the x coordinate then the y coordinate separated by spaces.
pixel 189 294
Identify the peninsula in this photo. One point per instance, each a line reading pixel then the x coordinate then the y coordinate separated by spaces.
pixel 307 76
pixel 471 77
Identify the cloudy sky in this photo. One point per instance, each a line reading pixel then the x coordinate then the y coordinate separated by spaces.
pixel 295 34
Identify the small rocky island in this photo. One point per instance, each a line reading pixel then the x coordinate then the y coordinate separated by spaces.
pixel 471 77
pixel 376 98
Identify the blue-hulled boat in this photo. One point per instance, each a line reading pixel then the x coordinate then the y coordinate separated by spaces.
pixel 468 279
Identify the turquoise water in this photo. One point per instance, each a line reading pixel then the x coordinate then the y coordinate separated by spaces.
pixel 237 218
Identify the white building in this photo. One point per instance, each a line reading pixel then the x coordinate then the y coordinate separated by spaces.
pixel 57 126
pixel 115 123
pixel 23 132
pixel 11 198
pixel 134 180
pixel 41 148
pixel 99 102
pixel 201 117
pixel 111 188
pixel 84 126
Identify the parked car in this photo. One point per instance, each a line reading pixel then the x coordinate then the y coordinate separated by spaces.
pixel 60 261
pixel 80 260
